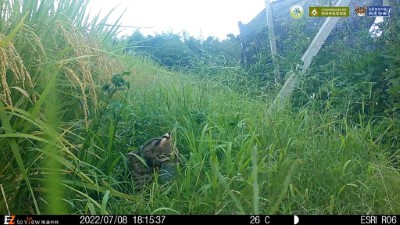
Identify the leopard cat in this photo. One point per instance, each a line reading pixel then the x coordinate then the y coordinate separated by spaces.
pixel 157 155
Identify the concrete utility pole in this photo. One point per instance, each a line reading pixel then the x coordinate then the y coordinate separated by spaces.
pixel 321 36
pixel 272 37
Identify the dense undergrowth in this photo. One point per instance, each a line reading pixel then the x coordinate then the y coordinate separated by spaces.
pixel 64 134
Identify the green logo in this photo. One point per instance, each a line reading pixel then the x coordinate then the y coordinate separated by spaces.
pixel 296 11
pixel 324 11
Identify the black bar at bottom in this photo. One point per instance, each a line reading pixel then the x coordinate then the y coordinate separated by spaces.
pixel 202 219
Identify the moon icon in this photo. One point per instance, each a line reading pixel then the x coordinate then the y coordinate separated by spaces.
pixel 296 219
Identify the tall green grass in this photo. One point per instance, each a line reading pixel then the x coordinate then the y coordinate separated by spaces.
pixel 63 137
pixel 51 56
pixel 241 159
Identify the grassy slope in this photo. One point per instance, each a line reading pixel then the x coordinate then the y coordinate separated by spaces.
pixel 305 162
pixel 63 139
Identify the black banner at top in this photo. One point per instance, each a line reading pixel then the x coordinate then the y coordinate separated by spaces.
pixel 202 219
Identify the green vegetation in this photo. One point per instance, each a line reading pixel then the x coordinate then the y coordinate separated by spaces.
pixel 72 104
pixel 186 53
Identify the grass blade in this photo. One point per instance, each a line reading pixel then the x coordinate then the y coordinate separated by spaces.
pixel 17 154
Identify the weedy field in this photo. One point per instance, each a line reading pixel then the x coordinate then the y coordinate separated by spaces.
pixel 64 136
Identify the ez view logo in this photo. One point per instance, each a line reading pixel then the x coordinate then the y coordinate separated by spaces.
pixel 9 219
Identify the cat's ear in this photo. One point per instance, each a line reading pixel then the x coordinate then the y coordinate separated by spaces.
pixel 166 135
pixel 164 141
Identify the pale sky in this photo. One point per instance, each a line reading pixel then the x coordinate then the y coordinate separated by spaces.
pixel 200 18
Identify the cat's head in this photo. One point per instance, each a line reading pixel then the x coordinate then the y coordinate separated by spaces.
pixel 159 145
pixel 163 144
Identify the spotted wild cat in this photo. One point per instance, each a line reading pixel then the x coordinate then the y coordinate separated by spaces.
pixel 157 155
